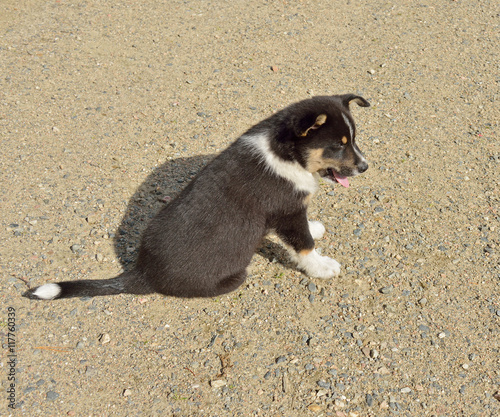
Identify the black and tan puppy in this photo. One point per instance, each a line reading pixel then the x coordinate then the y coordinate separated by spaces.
pixel 200 244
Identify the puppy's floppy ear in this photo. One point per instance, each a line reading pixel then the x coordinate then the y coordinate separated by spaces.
pixel 308 123
pixel 348 98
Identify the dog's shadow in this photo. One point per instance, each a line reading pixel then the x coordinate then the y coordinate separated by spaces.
pixel 160 187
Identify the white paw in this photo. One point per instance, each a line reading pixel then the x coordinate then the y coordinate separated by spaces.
pixel 316 229
pixel 317 266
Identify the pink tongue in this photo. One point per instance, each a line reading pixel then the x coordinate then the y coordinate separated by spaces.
pixel 341 180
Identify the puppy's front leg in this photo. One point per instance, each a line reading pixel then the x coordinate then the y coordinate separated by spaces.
pixel 297 232
pixel 316 229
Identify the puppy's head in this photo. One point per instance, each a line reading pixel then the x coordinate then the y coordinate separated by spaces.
pixel 325 137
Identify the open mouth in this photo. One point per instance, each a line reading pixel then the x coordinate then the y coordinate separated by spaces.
pixel 330 175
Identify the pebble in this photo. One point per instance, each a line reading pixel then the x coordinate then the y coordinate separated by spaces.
pixel 75 248
pixel 424 329
pixel 387 290
pixel 321 393
pixel 281 359
pixel 126 392
pixel 312 287
pixel 104 338
pixel 323 384
pixel 443 334
pixel 52 395
pixel 406 390
pixel 315 408
pixel 383 371
pixel 369 400
pixel 218 383
pixel 496 395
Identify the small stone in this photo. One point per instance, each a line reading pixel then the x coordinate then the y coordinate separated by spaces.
pixel 52 395
pixel 92 218
pixel 374 354
pixel 366 351
pixel 104 338
pixel 339 386
pixel 496 395
pixel 55 129
pixel 312 287
pixel 126 392
pixel 321 393
pixel 422 301
pixel 383 371
pixel 75 248
pixel 315 408
pixel 285 384
pixel 323 384
pixel 369 400
pixel 99 257
pixel 386 290
pixel 280 359
pixel 339 403
pixel 218 383
pixel 423 328
pixel 406 390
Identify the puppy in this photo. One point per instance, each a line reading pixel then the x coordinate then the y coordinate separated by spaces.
pixel 200 244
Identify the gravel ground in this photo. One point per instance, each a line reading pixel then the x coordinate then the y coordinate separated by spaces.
pixel 107 109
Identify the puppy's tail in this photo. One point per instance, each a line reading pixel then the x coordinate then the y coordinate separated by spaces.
pixel 127 282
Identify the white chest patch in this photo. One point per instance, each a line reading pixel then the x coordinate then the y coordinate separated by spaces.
pixel 302 179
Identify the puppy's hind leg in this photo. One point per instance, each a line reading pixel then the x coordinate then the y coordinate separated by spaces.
pixel 229 283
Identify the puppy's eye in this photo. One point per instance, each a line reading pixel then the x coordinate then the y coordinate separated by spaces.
pixel 338 145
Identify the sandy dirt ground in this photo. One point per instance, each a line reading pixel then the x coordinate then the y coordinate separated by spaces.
pixel 108 108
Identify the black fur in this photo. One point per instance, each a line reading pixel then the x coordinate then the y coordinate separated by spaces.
pixel 200 244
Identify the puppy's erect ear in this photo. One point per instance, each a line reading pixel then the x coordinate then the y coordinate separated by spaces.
pixel 348 98
pixel 320 120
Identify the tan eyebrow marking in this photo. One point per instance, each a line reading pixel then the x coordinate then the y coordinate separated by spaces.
pixel 344 140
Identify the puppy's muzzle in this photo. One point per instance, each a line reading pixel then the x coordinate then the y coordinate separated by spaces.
pixel 362 166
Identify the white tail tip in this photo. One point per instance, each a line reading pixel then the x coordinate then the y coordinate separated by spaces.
pixel 47 291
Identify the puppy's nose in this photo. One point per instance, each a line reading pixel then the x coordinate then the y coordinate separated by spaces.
pixel 362 166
